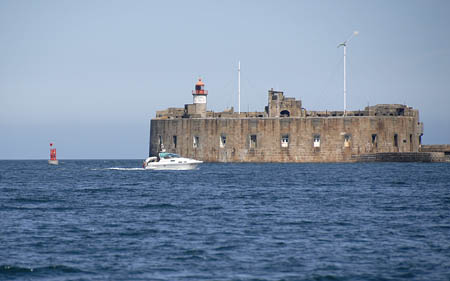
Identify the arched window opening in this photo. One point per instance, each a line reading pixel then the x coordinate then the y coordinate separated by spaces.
pixel 285 113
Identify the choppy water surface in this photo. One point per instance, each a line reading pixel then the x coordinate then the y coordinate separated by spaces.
pixel 100 220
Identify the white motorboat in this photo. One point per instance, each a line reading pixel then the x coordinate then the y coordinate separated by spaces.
pixel 170 161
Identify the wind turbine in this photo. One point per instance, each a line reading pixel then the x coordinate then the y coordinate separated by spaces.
pixel 344 44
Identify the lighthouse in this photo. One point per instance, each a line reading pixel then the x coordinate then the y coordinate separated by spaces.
pixel 199 98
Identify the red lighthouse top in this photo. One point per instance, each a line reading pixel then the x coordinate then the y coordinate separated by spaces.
pixel 200 88
pixel 200 83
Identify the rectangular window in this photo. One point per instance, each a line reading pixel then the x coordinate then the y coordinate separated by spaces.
pixel 223 141
pixel 374 140
pixel 316 140
pixel 160 140
pixel 195 141
pixel 285 141
pixel 175 141
pixel 411 147
pixel 253 141
pixel 395 140
pixel 347 140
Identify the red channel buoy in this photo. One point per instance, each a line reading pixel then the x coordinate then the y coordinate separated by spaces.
pixel 53 160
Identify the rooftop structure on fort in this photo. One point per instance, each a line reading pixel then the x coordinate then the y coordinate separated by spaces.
pixel 278 105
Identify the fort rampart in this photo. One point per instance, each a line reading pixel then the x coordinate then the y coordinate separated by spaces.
pixel 303 139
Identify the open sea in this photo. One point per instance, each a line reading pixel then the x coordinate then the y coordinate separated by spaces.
pixel 111 220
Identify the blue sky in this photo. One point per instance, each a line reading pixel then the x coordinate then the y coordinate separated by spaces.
pixel 89 75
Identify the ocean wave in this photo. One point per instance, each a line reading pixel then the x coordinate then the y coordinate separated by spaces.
pixel 12 270
pixel 158 206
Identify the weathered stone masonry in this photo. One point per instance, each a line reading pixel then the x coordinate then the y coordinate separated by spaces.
pixel 284 139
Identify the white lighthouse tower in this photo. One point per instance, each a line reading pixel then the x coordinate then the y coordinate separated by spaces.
pixel 199 95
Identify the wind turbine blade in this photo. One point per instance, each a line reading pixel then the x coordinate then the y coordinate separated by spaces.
pixel 352 36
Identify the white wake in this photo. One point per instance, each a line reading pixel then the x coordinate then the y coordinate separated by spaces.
pixel 125 169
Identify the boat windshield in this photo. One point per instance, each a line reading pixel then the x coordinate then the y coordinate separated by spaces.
pixel 165 155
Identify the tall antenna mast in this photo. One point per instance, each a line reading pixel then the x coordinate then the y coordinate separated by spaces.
pixel 239 87
pixel 344 44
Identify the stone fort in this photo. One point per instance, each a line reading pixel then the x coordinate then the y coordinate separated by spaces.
pixel 287 132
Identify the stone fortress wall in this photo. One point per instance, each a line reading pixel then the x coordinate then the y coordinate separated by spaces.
pixel 286 132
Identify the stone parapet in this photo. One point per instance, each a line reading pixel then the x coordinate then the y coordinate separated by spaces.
pixel 402 157
pixel 436 148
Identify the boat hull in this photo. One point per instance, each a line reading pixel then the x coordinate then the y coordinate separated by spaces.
pixel 171 166
pixel 53 162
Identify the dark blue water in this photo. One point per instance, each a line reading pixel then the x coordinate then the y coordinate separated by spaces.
pixel 82 220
